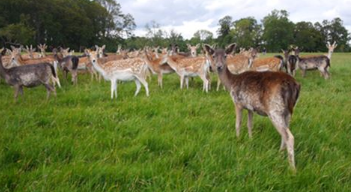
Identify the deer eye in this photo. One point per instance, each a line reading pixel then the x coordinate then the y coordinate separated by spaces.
pixel 225 56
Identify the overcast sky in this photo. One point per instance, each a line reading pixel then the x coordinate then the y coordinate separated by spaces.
pixel 188 16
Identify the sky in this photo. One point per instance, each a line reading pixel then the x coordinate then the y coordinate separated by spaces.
pixel 188 16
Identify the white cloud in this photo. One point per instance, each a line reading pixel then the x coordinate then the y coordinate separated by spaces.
pixel 187 17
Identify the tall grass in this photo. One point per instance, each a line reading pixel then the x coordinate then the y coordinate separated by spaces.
pixel 174 140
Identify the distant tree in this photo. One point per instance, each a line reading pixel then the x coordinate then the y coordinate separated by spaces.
pixel 224 36
pixel 335 31
pixel 308 37
pixel 246 32
pixel 278 31
pixel 204 35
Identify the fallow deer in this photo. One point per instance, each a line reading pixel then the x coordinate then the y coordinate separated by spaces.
pixel 187 67
pixel 68 63
pixel 17 59
pixel 122 70
pixel 42 48
pixel 29 76
pixel 193 49
pixel 272 94
pixel 31 54
pixel 321 63
pixel 157 67
pixel 290 62
pixel 331 48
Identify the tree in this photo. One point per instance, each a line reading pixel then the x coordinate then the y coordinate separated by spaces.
pixel 335 31
pixel 204 35
pixel 307 37
pixel 224 36
pixel 246 32
pixel 278 30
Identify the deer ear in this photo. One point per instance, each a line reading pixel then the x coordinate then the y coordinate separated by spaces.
pixel 103 47
pixel 208 49
pixel 197 45
pixel 230 48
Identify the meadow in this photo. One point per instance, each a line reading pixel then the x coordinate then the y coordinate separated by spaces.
pixel 174 140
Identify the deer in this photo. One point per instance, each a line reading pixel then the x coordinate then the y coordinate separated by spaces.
pixel 17 59
pixel 42 48
pixel 264 64
pixel 269 93
pixel 157 67
pixel 192 49
pixel 331 48
pixel 31 54
pixel 321 63
pixel 187 67
pixel 133 69
pixel 30 76
pixel 290 62
pixel 68 63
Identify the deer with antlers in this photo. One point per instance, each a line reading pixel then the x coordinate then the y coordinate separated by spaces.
pixel 272 94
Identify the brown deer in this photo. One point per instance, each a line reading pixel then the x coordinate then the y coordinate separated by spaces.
pixel 272 94
pixel 321 63
pixel 42 48
pixel 29 76
pixel 156 67
pixel 290 62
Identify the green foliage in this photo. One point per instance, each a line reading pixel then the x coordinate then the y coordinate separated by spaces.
pixel 246 32
pixel 278 30
pixel 307 37
pixel 174 140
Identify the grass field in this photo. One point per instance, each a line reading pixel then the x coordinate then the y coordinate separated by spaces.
pixel 174 140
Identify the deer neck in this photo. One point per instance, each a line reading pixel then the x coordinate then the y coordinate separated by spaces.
pixel 329 54
pixel 226 77
pixel 3 70
pixel 98 67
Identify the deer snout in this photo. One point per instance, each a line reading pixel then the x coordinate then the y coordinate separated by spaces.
pixel 94 60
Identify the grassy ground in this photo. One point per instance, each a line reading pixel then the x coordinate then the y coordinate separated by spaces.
pixel 175 140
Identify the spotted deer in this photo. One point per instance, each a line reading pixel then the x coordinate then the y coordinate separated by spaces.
pixel 187 67
pixel 264 64
pixel 272 94
pixel 121 70
pixel 157 67
pixel 193 49
pixel 17 59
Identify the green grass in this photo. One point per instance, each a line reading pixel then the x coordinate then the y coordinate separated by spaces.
pixel 174 140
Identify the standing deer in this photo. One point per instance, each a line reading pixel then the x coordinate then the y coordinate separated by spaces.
pixel 290 62
pixel 42 48
pixel 29 76
pixel 321 63
pixel 123 70
pixel 331 48
pixel 272 94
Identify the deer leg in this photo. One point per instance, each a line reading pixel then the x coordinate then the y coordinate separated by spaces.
pixel 218 83
pixel 159 78
pixel 49 88
pixel 181 81
pixel 145 84
pixel 303 73
pixel 187 82
pixel 17 88
pixel 249 122
pixel 138 86
pixel 281 126
pixel 205 83
pixel 113 82
pixel 238 111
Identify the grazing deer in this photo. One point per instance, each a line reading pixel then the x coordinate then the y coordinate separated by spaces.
pixel 272 94
pixel 321 63
pixel 157 67
pixel 42 48
pixel 30 76
pixel 187 67
pixel 123 70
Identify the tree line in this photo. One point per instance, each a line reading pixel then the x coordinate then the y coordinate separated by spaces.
pixel 81 24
